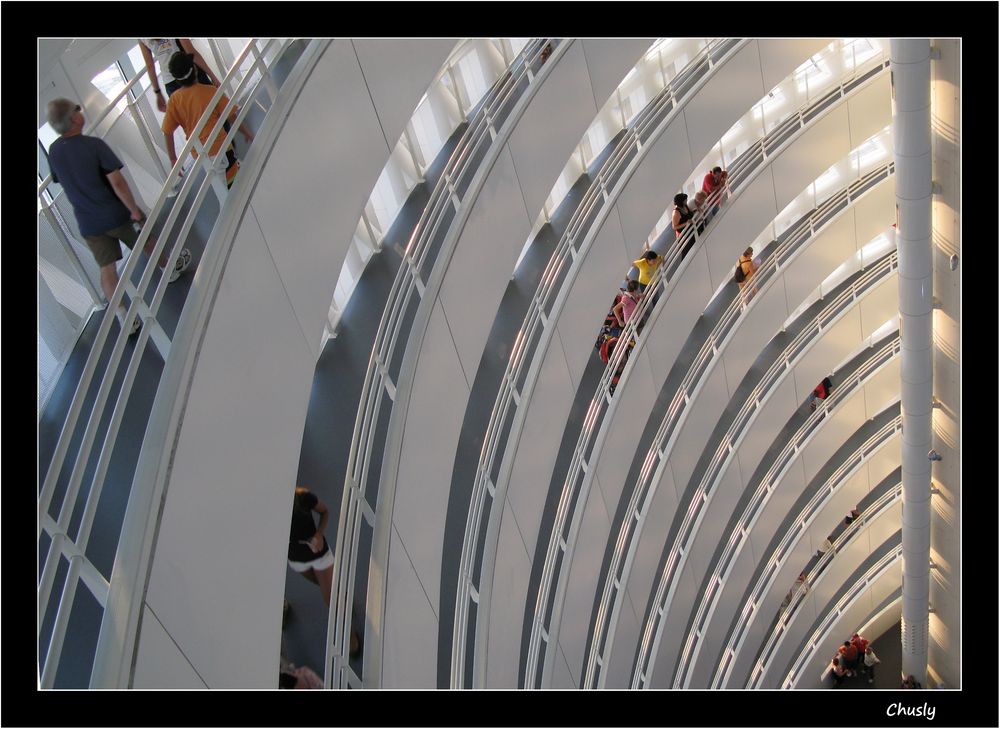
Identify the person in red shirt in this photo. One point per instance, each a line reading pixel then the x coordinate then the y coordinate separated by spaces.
pixel 849 654
pixel 821 392
pixel 860 645
pixel 714 181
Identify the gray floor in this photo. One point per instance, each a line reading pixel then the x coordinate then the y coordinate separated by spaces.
pixel 333 403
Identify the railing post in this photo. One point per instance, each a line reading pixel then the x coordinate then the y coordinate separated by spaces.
pixel 457 91
pixel 261 67
pixel 146 137
pixel 416 154
pixel 219 63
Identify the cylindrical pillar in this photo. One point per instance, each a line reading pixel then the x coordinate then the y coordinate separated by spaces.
pixel 911 134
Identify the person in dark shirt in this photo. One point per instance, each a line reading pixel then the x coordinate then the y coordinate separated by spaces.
pixel 308 552
pixel 105 208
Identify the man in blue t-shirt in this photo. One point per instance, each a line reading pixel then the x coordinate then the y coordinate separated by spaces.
pixel 105 209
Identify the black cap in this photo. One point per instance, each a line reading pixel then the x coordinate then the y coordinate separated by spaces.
pixel 181 65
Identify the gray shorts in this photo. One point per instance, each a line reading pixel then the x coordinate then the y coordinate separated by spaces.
pixel 105 246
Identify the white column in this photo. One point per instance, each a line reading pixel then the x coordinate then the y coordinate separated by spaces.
pixel 911 132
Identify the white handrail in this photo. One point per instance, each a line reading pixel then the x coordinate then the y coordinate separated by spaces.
pixel 786 613
pixel 674 417
pixel 551 293
pixel 847 599
pixel 739 632
pixel 723 568
pixel 443 214
pixel 150 331
pixel 741 172
pixel 677 555
pixel 616 168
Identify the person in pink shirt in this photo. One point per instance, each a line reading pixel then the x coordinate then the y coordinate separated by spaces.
pixel 624 308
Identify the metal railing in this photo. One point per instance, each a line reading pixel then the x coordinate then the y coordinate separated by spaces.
pixel 523 367
pixel 697 374
pixel 697 508
pixel 90 444
pixel 872 574
pixel 742 172
pixel 802 522
pixel 737 539
pixel 443 215
pixel 782 620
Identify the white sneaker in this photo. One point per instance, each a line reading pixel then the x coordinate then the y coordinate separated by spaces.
pixel 134 328
pixel 183 261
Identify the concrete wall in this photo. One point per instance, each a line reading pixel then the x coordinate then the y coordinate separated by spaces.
pixel 945 630
pixel 217 577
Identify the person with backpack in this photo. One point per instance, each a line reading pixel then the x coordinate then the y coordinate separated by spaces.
pixel 821 392
pixel 745 269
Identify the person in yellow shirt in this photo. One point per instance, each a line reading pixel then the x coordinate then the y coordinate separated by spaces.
pixel 185 107
pixel 647 266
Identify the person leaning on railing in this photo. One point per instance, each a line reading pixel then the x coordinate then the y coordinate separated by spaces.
pixel 745 269
pixel 682 221
pixel 715 179
pixel 701 211
pixel 105 208
pixel 163 49
pixel 185 108
pixel 647 266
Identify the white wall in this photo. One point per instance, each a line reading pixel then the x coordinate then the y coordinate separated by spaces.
pixel 668 158
pixel 218 571
pixel 474 281
pixel 945 647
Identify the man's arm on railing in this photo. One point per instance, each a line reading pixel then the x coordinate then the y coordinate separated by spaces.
pixel 161 103
pixel 188 47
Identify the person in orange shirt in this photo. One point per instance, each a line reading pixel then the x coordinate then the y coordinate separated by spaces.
pixel 747 268
pixel 185 107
